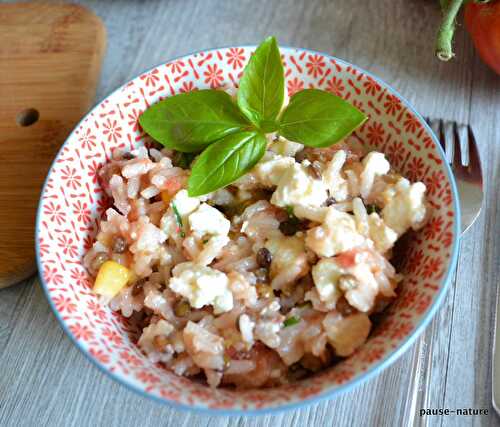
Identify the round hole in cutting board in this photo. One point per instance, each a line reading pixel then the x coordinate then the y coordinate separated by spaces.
pixel 27 117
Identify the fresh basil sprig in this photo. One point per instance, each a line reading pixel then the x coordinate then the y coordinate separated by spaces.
pixel 262 86
pixel 190 121
pixel 308 118
pixel 224 162
pixel 230 136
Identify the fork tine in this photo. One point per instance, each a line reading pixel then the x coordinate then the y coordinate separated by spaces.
pixel 457 147
pixel 435 125
pixel 463 143
pixel 474 165
pixel 449 140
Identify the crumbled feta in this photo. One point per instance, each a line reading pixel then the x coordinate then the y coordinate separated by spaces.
pixel 346 334
pixel 211 249
pixel 222 197
pixel 267 332
pixel 356 282
pixel 364 288
pixel 326 274
pixel 334 180
pixel 383 236
pixel 298 187
pixel 285 147
pixel 337 234
pixel 271 168
pixel 185 204
pixel 246 328
pixel 313 213
pixel 406 206
pixel 374 164
pixel 208 220
pixel 202 286
pixel 289 260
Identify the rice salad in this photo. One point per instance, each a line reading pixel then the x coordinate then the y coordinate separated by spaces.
pixel 260 283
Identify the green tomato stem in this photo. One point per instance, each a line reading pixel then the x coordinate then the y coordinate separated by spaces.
pixel 444 42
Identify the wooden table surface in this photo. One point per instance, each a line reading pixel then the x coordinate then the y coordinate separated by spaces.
pixel 46 381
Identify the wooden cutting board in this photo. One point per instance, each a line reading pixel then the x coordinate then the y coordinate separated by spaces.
pixel 50 60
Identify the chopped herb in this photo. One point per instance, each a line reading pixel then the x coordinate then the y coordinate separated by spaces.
pixel 205 241
pixel 289 211
pixel 372 209
pixel 291 321
pixel 178 219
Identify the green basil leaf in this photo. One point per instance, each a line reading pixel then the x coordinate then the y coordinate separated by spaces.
pixel 318 119
pixel 225 161
pixel 190 121
pixel 262 87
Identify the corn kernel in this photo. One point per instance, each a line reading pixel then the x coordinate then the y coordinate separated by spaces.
pixel 111 278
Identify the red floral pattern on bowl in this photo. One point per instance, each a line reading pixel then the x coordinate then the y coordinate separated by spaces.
pixel 72 203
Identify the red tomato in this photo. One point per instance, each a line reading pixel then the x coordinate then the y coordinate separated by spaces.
pixel 483 24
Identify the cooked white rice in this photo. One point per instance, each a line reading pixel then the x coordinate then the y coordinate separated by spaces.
pixel 242 292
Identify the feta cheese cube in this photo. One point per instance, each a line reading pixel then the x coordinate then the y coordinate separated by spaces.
pixel 185 204
pixel 406 206
pixel 313 213
pixel 362 295
pixel 289 260
pixel 298 187
pixel 202 286
pixel 208 220
pixel 211 249
pixel 326 274
pixel 271 168
pixel 346 334
pixel 337 234
pixel 383 236
pixel 246 328
pixel 374 164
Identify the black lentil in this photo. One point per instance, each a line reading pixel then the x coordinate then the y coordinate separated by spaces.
pixel 119 245
pixel 344 308
pixel 264 258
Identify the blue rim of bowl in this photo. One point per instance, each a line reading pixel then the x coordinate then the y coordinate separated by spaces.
pixel 329 394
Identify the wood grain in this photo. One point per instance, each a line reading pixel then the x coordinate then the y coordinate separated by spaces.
pixel 50 58
pixel 46 381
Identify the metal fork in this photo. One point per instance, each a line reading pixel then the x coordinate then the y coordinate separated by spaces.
pixel 462 154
